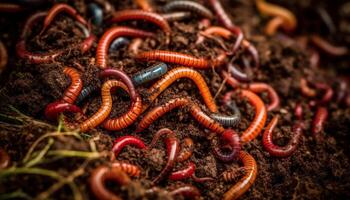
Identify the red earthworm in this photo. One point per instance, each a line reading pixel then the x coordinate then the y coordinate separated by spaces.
pixel 109 36
pixel 230 80
pixel 172 146
pixel 187 191
pixel 58 8
pixel 3 57
pixel 189 6
pixel 327 47
pixel 183 173
pixel 135 110
pixel 73 91
pixel 131 170
pixel 35 58
pixel 53 109
pixel 272 26
pixel 28 26
pixel 260 114
pixel 135 45
pixel 318 122
pixel 194 109
pixel 328 94
pixel 186 150
pixel 105 108
pixel 155 18
pixel 248 179
pixel 305 89
pixel 279 151
pixel 180 59
pixel 227 22
pixel 290 21
pixel 121 142
pixel 145 5
pixel 5 159
pixel 262 87
pixel 231 138
pixel 214 30
pixel 176 16
pixel 183 72
pixel 98 178
pixel 201 179
pixel 298 111
pixel 86 45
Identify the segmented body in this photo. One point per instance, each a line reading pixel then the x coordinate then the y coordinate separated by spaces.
pixel 231 138
pixel 188 6
pixel 150 73
pixel 73 91
pixel 123 141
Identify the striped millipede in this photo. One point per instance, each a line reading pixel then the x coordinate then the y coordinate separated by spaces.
pixel 52 110
pixel 259 120
pixel 318 122
pixel 155 18
pixel 251 170
pixel 284 151
pixel 100 176
pixel 131 170
pixel 123 141
pixel 183 173
pixel 187 191
pixel 186 150
pixel 230 175
pixel 327 47
pixel 145 5
pixel 5 159
pixel 231 138
pixel 230 120
pixel 105 108
pixel 150 73
pixel 176 16
pixel 188 6
pixel 194 109
pixel 183 72
pixel 87 91
pixel 109 36
pixel 181 59
pixel 73 91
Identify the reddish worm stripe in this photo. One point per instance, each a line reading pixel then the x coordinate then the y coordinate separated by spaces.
pixel 121 142
pixel 53 109
pixel 176 16
pixel 298 111
pixel 73 91
pixel 105 108
pixel 186 150
pixel 247 181
pixel 327 47
pixel 109 36
pixel 231 138
pixel 183 72
pixel 318 122
pixel 284 151
pixel 5 159
pixel 98 178
pixel 131 170
pixel 183 173
pixel 259 120
pixel 194 109
pixel 155 18
pixel 262 87
pixel 187 191
pixel 201 179
pixel 188 6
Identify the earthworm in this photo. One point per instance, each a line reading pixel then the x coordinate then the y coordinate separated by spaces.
pixel 290 22
pixel 180 59
pixel 260 114
pixel 10 8
pixel 187 191
pixel 183 72
pixel 155 18
pixel 214 30
pixel 230 80
pixel 135 110
pixel 328 94
pixel 145 5
pixel 35 58
pixel 253 52
pixel 3 57
pixel 28 26
pixel 183 173
pixel 5 159
pixel 248 179
pixel 105 108
pixel 176 16
pixel 96 13
pixel 231 138
pixel 189 6
pixel 131 170
pixel 172 146
pixel 73 91
pixel 298 111
pixel 86 92
pixel 121 142
pixel 327 47
pixel 53 109
pixel 58 8
pixel 150 73
pixel 279 151
pixel 135 46
pixel 230 120
pixel 194 109
pixel 263 87
pixel 318 122
pixel 186 150
pixel 100 176
pixel 305 89
pixel 87 43
pixel 109 36
pixel 272 26
pixel 237 73
pixel 118 43
pixel 227 22
pixel 201 179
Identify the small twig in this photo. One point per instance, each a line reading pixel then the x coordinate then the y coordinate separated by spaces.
pixel 70 153
pixel 220 88
pixel 41 154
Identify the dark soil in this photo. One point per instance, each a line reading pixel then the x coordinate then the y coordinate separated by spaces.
pixel 316 170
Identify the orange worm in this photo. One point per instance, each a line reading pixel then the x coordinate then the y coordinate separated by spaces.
pixel 3 57
pixel 272 26
pixel 109 36
pixel 144 5
pixel 327 47
pixel 194 109
pixel 305 89
pixel 259 120
pixel 230 175
pixel 183 72
pixel 155 18
pixel 214 30
pixel 262 87
pixel 186 150
pixel 105 108
pixel 251 170
pixel 131 170
pixel 73 91
pixel 181 59
pixel 290 21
